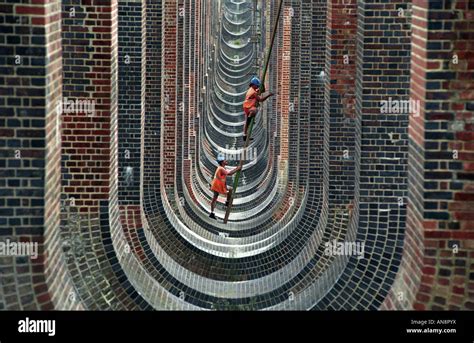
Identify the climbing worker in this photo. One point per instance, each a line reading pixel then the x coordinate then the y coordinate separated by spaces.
pixel 218 185
pixel 252 100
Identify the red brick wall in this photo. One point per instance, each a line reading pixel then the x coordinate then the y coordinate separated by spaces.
pixel 169 92
pixel 90 72
pixel 341 45
pixel 437 260
pixel 30 87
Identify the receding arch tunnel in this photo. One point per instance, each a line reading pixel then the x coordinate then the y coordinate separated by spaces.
pixel 340 205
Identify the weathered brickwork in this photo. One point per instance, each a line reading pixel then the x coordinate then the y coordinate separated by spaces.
pixel 131 97
pixel 340 101
pixel 437 260
pixel 379 207
pixel 90 61
pixel 169 91
pixel 30 144
pixel 151 144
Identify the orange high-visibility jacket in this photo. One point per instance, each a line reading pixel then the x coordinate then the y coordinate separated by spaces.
pixel 250 98
pixel 219 181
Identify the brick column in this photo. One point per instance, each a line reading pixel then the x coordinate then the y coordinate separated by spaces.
pixel 291 132
pixel 151 146
pixel 339 110
pixel 169 92
pixel 285 81
pixel 316 96
pixel 305 91
pixel 89 155
pixel 30 88
pixel 277 64
pixel 197 61
pixel 188 59
pixel 382 74
pixel 436 272
pixel 131 97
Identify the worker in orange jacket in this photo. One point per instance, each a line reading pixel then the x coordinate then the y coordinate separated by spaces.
pixel 218 185
pixel 251 102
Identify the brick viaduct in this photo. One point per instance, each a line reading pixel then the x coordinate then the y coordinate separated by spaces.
pixel 112 114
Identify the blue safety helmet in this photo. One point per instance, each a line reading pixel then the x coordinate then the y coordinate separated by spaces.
pixel 255 81
pixel 220 158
